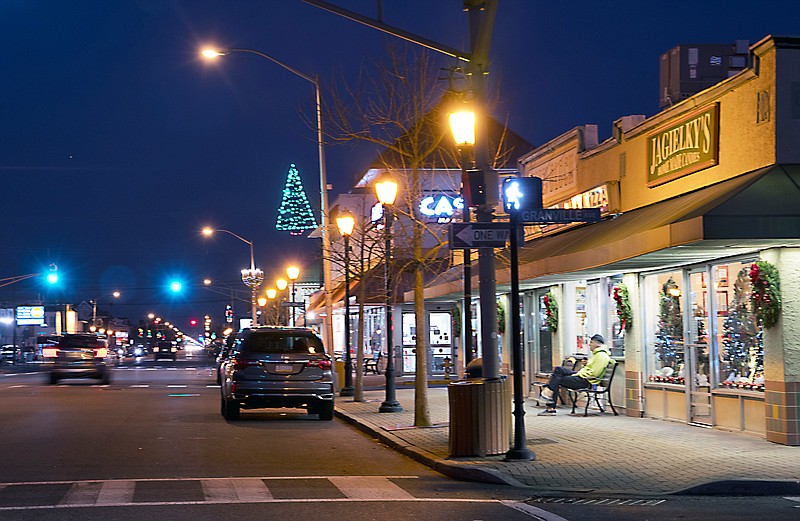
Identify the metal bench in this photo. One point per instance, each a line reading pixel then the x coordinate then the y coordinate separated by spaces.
pixel 371 364
pixel 603 388
pixel 567 363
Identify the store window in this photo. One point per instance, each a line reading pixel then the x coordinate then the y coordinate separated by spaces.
pixel 739 337
pixel 615 334
pixel 664 327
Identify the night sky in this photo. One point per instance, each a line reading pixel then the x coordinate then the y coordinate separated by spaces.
pixel 118 143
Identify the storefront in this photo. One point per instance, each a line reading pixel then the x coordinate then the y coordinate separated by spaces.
pixel 691 198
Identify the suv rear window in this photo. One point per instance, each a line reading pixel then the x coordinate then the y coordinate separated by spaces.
pixel 270 342
pixel 81 341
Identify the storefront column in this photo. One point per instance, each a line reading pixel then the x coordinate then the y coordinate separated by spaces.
pixel 782 352
pixel 634 350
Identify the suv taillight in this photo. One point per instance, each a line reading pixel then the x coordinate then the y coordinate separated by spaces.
pixel 50 352
pixel 322 364
pixel 241 365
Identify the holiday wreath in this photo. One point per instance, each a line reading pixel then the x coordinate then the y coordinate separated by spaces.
pixel 766 295
pixel 551 309
pixel 624 312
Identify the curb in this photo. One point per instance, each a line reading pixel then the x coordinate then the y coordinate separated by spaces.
pixel 496 477
pixel 440 465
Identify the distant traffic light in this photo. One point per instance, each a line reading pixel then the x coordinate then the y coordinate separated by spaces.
pixel 176 286
pixel 193 322
pixel 52 275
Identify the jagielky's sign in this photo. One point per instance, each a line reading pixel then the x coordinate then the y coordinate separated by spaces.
pixel 684 147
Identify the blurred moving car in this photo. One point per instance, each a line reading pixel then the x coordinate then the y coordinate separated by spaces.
pixel 223 355
pixel 79 356
pixel 165 349
pixel 8 354
pixel 277 367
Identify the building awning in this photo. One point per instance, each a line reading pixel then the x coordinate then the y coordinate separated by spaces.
pixel 749 212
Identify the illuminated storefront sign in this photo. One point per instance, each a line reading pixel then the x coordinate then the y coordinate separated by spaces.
pixel 594 198
pixel 441 207
pixel 683 147
pixel 30 315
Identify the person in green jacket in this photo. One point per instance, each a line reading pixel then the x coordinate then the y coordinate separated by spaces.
pixel 589 374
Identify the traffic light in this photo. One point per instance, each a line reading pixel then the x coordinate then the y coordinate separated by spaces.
pixel 522 194
pixel 193 322
pixel 176 286
pixel 52 275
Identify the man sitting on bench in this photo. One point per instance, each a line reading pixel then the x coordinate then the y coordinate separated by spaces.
pixel 589 374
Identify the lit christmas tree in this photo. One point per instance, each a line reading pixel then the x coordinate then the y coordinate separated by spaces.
pixel 743 350
pixel 669 337
pixel 295 214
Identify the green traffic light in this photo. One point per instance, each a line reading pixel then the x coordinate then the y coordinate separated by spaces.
pixel 52 278
pixel 175 286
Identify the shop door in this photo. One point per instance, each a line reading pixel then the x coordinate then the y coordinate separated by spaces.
pixel 698 373
pixel 544 338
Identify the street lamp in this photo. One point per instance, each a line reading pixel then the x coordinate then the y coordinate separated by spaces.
pixel 386 189
pixel 462 124
pixel 115 294
pixel 323 179
pixel 252 277
pixel 281 284
pixel 293 272
pixel 262 302
pixel 346 222
pixel 271 294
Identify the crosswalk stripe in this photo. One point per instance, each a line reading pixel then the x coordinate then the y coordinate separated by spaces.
pixel 251 490
pixel 219 490
pixel 116 492
pixel 361 487
pixel 82 494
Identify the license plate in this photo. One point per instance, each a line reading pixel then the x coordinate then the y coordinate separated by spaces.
pixel 284 368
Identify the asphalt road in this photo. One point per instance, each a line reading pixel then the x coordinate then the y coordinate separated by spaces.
pixel 153 444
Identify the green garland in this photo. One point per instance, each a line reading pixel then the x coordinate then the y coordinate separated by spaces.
pixel 501 319
pixel 456 322
pixel 551 309
pixel 766 295
pixel 623 300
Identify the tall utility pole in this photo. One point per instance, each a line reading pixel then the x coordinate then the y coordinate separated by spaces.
pixel 481 22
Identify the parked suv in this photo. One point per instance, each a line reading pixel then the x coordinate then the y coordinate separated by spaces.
pixel 277 367
pixel 79 356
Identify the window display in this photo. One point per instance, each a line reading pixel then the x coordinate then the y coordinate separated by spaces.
pixel 741 347
pixel 664 328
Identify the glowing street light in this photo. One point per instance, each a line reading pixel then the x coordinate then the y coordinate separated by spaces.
pixel 462 125
pixel 293 272
pixel 386 189
pixel 346 222
pixel 212 54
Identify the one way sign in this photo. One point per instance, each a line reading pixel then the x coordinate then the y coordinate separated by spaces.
pixel 478 235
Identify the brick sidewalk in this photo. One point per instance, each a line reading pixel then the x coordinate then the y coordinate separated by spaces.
pixel 601 453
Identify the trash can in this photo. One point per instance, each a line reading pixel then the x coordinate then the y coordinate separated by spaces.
pixel 338 366
pixel 480 417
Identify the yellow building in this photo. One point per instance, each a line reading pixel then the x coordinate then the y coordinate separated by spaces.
pixel 690 199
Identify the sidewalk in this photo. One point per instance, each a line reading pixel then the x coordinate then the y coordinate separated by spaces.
pixel 601 453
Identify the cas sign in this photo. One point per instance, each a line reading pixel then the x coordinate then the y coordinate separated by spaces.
pixel 441 207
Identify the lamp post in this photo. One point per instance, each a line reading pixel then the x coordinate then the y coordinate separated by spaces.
pixel 293 272
pixel 386 188
pixel 323 180
pixel 462 124
pixel 262 303
pixel 252 277
pixel 271 294
pixel 346 222
pixel 115 294
pixel 281 284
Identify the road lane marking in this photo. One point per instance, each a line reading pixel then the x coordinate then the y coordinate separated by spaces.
pixel 177 386
pixel 140 386
pixel 82 494
pixel 116 492
pixel 534 512
pixel 367 487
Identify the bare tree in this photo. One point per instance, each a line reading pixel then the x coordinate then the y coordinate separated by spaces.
pixel 395 109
